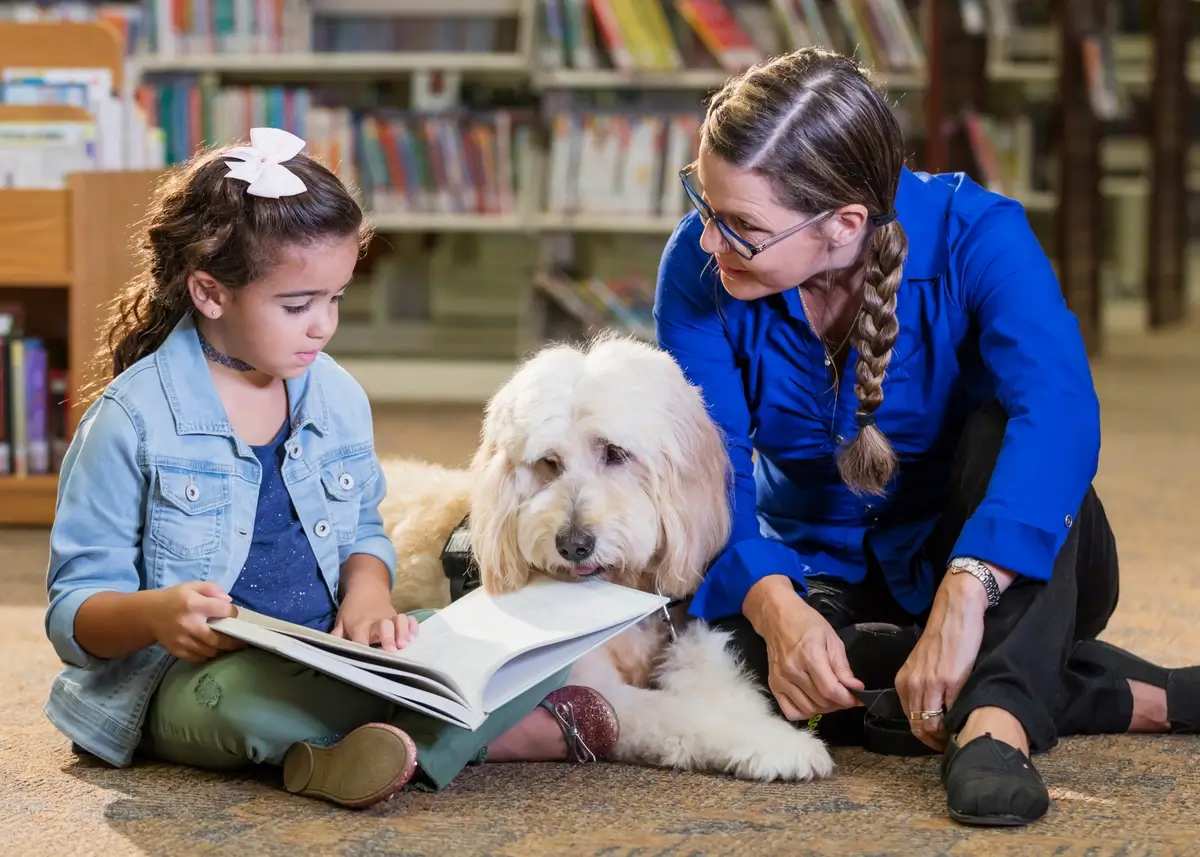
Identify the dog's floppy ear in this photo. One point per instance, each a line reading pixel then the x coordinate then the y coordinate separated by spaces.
pixel 494 501
pixel 693 496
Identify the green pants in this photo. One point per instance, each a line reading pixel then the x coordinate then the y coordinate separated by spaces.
pixel 249 706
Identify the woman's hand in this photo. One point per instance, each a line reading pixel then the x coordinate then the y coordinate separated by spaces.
pixel 944 656
pixel 808 670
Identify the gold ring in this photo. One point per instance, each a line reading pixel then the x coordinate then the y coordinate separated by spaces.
pixel 923 715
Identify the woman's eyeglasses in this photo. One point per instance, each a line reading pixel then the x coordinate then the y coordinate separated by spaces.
pixel 737 243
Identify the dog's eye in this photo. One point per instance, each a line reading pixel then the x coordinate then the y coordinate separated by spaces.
pixel 549 467
pixel 614 454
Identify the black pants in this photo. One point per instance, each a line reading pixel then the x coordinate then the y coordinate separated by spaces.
pixel 1024 664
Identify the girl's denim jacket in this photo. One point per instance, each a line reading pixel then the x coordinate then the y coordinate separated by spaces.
pixel 156 489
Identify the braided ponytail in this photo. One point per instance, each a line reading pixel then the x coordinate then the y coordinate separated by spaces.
pixel 821 132
pixel 867 462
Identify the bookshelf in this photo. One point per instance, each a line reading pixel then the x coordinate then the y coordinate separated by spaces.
pixel 1140 82
pixel 540 63
pixel 63 250
pixel 1170 139
pixel 1079 218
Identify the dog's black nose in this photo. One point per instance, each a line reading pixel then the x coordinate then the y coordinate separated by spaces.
pixel 575 545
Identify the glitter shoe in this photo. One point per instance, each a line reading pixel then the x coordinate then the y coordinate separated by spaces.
pixel 368 766
pixel 588 722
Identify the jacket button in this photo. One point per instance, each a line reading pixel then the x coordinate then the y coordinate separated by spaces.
pixel 346 481
pixel 192 492
pixel 321 529
pixel 294 452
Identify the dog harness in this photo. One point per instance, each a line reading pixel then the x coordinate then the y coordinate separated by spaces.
pixel 458 563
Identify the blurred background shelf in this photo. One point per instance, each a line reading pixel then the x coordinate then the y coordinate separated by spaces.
pixel 519 158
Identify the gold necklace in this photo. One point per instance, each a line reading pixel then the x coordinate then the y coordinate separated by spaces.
pixel 849 333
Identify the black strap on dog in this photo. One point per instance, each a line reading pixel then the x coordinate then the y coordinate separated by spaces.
pixel 458 562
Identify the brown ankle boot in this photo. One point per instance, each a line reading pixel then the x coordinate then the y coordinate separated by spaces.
pixel 369 765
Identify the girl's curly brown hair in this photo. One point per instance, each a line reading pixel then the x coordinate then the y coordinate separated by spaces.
pixel 199 220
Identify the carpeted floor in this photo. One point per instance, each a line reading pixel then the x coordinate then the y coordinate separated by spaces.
pixel 1132 797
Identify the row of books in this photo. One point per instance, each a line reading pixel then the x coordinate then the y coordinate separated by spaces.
pixel 619 164
pixel 111 132
pixel 1013 155
pixel 450 162
pixel 285 26
pixel 125 17
pixel 625 303
pixel 33 401
pixel 666 35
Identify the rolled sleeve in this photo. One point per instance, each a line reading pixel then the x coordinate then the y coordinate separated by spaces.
pixel 1032 345
pixel 95 540
pixel 689 326
pixel 371 538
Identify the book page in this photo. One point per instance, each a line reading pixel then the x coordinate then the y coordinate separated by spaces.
pixel 526 670
pixel 473 637
pixel 414 698
pixel 463 645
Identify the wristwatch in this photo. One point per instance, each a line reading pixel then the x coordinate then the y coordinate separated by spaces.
pixel 975 568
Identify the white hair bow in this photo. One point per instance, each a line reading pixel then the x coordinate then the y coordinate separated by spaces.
pixel 262 166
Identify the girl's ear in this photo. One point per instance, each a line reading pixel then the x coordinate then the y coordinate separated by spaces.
pixel 208 296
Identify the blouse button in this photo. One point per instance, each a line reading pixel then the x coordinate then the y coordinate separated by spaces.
pixel 321 529
pixel 191 492
pixel 346 481
pixel 1068 521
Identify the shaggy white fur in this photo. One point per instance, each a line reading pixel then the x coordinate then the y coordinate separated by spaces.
pixel 603 461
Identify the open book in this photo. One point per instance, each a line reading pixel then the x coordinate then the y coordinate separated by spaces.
pixel 471 657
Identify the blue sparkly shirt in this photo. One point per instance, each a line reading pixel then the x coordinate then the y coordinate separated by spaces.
pixel 281 577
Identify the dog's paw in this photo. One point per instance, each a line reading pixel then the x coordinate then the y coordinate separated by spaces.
pixel 780 751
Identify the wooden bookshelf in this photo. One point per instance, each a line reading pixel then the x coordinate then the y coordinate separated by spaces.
pixel 63 252
pixel 1170 139
pixel 1080 209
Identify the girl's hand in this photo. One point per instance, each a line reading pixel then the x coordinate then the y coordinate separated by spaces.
pixel 178 618
pixel 944 656
pixel 370 620
pixel 808 670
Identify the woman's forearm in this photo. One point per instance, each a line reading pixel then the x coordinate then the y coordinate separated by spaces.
pixel 114 624
pixel 967 591
pixel 764 597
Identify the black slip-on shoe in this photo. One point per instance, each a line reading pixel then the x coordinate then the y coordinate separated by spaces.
pixel 991 784
pixel 1181 684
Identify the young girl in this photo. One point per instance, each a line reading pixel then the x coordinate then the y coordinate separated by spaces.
pixel 229 462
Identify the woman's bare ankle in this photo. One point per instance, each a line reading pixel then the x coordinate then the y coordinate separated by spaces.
pixel 1149 708
pixel 997 722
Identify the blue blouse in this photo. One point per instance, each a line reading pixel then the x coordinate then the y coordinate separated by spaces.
pixel 981 316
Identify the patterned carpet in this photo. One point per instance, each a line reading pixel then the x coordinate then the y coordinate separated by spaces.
pixel 1132 797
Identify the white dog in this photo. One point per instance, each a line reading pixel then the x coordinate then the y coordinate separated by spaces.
pixel 603 462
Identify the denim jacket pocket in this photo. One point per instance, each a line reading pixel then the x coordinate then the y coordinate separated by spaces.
pixel 189 511
pixel 344 481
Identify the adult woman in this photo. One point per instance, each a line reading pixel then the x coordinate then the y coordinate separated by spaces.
pixel 945 482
